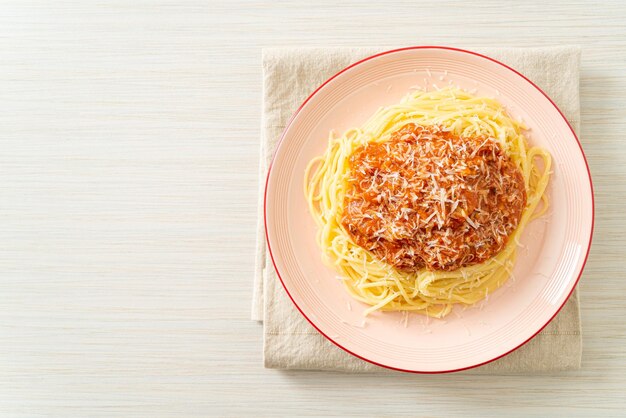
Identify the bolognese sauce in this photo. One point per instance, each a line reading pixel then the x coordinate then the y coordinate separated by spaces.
pixel 427 198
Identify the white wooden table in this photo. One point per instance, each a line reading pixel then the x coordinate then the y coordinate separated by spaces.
pixel 128 173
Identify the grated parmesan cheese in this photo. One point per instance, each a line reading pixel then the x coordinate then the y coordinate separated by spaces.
pixel 429 198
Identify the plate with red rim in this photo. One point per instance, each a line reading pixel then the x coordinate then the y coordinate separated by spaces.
pixel 553 250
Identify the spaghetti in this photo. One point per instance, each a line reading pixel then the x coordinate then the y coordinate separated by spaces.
pixel 422 207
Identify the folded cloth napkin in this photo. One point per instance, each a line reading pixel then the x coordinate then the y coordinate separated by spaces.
pixel 290 342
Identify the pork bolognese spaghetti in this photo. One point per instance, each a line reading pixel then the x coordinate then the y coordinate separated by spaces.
pixel 422 207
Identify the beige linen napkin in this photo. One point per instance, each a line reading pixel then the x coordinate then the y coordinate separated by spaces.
pixel 290 342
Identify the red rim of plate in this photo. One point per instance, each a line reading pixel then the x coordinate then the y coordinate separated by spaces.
pixel 282 137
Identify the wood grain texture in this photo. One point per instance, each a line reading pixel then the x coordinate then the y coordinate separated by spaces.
pixel 129 137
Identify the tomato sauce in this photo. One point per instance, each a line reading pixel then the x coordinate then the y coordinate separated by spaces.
pixel 429 198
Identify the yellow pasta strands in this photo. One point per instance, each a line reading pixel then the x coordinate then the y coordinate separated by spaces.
pixel 432 293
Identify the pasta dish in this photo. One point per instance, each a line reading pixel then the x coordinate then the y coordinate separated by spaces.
pixel 422 207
